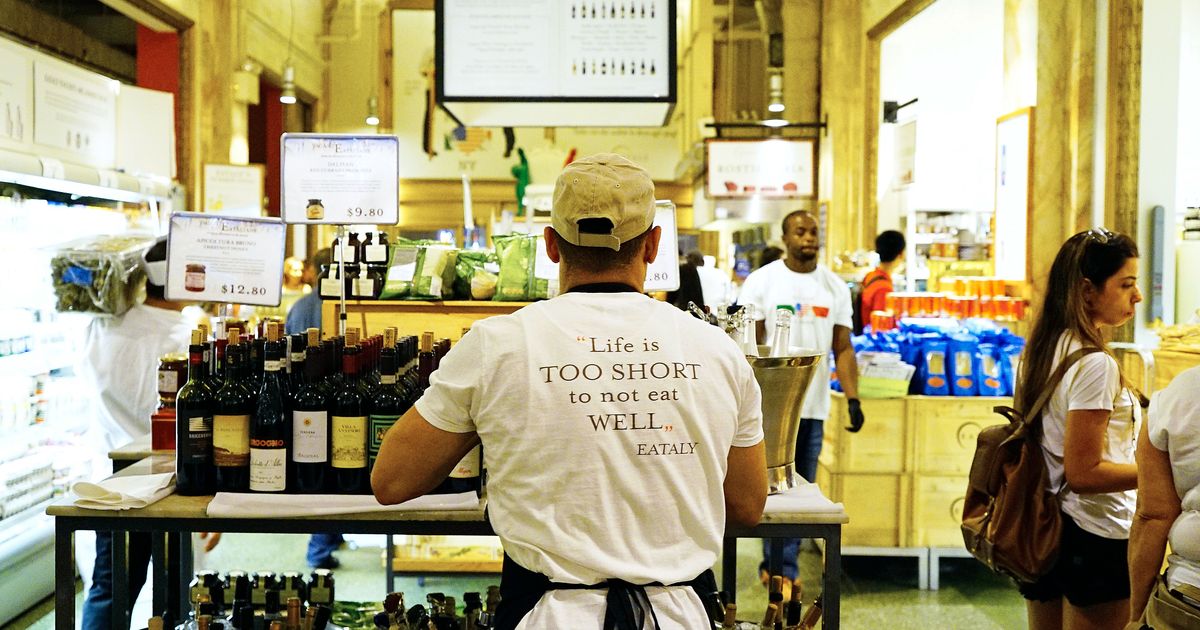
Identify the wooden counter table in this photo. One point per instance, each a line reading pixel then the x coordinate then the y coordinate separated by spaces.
pixel 175 517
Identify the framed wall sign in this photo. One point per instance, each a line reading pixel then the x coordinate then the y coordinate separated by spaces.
pixel 1014 194
pixel 773 168
pixel 340 179
pixel 236 260
pixel 234 190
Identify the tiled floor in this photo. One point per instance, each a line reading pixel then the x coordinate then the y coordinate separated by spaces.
pixel 877 592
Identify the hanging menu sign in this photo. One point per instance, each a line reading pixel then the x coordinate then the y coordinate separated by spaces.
pixel 555 49
pixel 761 168
pixel 225 259
pixel 340 179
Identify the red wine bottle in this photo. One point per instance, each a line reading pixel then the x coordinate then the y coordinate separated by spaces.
pixel 388 402
pixel 194 473
pixel 269 430
pixel 232 408
pixel 348 425
pixel 310 424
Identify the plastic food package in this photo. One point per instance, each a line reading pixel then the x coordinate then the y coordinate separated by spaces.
pixel 433 277
pixel 934 374
pixel 99 274
pixel 988 368
pixel 402 264
pixel 521 276
pixel 469 266
pixel 963 380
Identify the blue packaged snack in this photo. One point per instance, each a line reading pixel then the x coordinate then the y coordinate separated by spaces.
pixel 988 368
pixel 962 348
pixel 934 376
pixel 1010 361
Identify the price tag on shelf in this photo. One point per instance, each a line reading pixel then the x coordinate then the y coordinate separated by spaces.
pixel 663 273
pixel 340 179
pixel 214 258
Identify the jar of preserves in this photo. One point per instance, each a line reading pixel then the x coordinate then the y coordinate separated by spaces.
pixel 193 277
pixel 315 211
pixel 172 374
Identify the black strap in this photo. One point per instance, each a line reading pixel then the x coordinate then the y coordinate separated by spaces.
pixel 627 605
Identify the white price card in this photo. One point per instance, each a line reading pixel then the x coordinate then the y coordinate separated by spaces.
pixel 213 258
pixel 340 179
pixel 663 273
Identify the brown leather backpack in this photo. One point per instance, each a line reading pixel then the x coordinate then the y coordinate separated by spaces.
pixel 1011 520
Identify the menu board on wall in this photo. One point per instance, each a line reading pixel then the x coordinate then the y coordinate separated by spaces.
pixel 775 168
pixel 340 179
pixel 76 111
pixel 556 49
pixel 16 95
pixel 225 259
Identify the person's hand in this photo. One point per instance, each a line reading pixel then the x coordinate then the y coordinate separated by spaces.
pixel 854 407
pixel 213 539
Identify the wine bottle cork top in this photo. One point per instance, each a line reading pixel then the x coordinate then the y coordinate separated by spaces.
pixel 314 336
pixel 203 328
pixel 769 616
pixel 389 338
pixel 272 331
pixel 235 336
pixel 351 337
pixel 197 337
pixel 427 342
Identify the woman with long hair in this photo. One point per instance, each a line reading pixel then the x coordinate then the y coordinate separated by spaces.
pixel 1088 432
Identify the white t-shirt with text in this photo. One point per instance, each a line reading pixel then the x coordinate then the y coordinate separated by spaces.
pixel 606 421
pixel 1094 382
pixel 1173 425
pixel 821 300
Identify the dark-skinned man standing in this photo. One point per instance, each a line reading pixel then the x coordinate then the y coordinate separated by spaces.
pixel 822 322
pixel 620 434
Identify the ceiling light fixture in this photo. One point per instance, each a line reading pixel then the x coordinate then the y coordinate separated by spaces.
pixel 373 111
pixel 775 91
pixel 287 95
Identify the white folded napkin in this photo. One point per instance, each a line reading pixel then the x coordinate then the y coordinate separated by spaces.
pixel 252 505
pixel 123 493
pixel 805 499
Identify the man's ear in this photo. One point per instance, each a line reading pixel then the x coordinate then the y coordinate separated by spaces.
pixel 650 245
pixel 551 237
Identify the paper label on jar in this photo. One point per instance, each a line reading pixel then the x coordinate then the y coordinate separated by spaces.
pixel 469 467
pixel 349 441
pixel 168 381
pixel 310 435
pixel 231 440
pixel 331 287
pixel 267 466
pixel 364 287
pixel 376 253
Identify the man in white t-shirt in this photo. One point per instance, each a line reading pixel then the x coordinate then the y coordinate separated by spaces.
pixel 822 322
pixel 620 434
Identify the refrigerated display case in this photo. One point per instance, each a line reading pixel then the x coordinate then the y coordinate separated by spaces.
pixel 45 409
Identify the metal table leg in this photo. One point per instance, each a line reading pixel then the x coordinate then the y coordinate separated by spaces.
pixel 832 580
pixel 389 557
pixel 64 575
pixel 120 579
pixel 181 570
pixel 729 569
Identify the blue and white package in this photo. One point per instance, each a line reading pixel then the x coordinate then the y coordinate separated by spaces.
pixel 963 347
pixel 988 369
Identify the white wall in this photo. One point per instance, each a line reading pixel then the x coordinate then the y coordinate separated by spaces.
pixel 950 57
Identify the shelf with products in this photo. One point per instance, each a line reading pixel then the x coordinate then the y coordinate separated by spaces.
pixel 446 319
pixel 937 238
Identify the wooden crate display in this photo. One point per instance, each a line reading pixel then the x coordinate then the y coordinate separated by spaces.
pixel 937 510
pixel 878 505
pixel 945 430
pixel 878 448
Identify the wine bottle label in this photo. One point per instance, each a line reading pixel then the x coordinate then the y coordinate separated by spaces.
pixel 168 381
pixel 297 357
pixel 267 466
pixel 231 440
pixel 379 426
pixel 331 287
pixel 349 441
pixel 376 253
pixel 310 435
pixel 469 467
pixel 387 379
pixel 272 366
pixel 199 440
pixel 364 287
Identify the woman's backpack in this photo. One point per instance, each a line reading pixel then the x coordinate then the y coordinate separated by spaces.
pixel 1011 517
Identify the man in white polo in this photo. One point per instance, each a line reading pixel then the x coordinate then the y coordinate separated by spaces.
pixel 620 434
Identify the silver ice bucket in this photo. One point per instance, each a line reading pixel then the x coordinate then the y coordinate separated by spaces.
pixel 784 381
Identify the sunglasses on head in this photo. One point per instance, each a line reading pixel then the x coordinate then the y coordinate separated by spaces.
pixel 1100 235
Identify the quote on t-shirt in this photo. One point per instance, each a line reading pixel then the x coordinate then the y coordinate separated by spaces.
pixel 637 383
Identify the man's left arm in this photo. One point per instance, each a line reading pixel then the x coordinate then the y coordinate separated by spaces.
pixel 415 457
pixel 847 371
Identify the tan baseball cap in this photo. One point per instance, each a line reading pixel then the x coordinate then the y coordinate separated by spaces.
pixel 603 186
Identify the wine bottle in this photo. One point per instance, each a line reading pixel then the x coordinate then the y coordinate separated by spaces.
pixel 269 430
pixel 348 425
pixel 782 338
pixel 813 616
pixel 232 407
pixel 425 362
pixel 465 476
pixel 310 424
pixel 387 405
pixel 194 474
pixel 794 609
pixel 257 363
pixel 297 354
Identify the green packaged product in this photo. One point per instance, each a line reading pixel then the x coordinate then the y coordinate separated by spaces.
pixel 99 274
pixel 433 277
pixel 472 279
pixel 524 275
pixel 402 264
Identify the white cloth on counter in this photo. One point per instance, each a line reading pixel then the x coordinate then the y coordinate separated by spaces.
pixel 805 498
pixel 123 493
pixel 251 505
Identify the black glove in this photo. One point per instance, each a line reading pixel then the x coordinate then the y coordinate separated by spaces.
pixel 856 415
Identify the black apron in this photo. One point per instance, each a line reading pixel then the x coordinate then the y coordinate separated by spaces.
pixel 627 604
